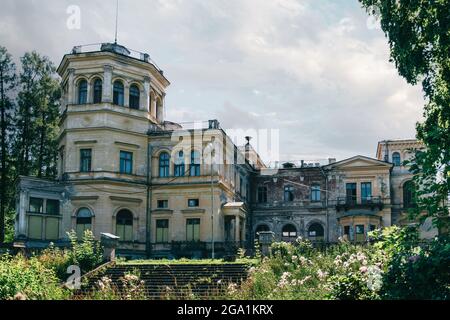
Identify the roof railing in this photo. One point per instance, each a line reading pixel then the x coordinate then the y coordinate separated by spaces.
pixel 116 48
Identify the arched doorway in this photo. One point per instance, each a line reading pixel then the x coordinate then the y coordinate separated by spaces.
pixel 124 225
pixel 289 233
pixel 315 232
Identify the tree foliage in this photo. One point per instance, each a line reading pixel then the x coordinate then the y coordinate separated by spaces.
pixel 418 32
pixel 29 126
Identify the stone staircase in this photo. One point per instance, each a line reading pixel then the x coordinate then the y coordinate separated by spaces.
pixel 176 281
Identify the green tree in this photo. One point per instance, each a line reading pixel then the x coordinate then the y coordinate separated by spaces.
pixel 36 120
pixel 7 83
pixel 419 38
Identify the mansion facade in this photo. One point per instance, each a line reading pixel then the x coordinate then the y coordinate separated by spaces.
pixel 187 190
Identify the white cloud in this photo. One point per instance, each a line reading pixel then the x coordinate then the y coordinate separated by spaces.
pixel 312 69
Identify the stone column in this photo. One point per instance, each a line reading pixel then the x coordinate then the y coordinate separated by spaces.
pixel 145 102
pixel 107 84
pixel 153 107
pixel 89 91
pixel 237 229
pixel 71 87
pixel 266 239
pixel 109 243
pixel 126 98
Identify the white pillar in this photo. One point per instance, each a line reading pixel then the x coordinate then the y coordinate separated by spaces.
pixel 89 91
pixel 71 87
pixel 237 229
pixel 107 84
pixel 153 107
pixel 145 102
pixel 127 95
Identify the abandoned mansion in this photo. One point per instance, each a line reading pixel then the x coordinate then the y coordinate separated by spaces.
pixel 178 189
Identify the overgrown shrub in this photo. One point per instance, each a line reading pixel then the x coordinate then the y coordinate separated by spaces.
pixel 87 253
pixel 415 270
pixel 22 278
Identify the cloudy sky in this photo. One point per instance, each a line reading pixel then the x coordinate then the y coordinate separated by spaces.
pixel 317 71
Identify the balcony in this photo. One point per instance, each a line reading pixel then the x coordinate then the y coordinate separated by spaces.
pixel 350 202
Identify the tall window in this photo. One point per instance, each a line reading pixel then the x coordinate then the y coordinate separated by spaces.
pixel 84 221
pixel 193 229
pixel 315 193
pixel 52 206
pixel 164 160
pixel 350 190
pixel 359 232
pixel 262 194
pixel 118 93
pixel 408 195
pixel 98 91
pixel 126 162
pixel 85 160
pixel 366 191
pixel 36 205
pixel 124 225
pixel 134 97
pixel 179 168
pixel 195 163
pixel 162 230
pixel 82 92
pixel 396 159
pixel 288 193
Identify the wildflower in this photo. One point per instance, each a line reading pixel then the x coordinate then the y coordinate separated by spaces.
pixel 321 274
pixel 284 280
pixel 363 269
pixel 304 280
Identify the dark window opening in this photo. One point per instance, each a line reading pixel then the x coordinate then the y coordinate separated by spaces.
pixel 193 203
pixel 118 93
pixel 126 162
pixel 288 193
pixel 98 89
pixel 134 97
pixel 85 160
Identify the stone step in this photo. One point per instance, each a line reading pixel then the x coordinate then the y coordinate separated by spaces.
pixel 202 280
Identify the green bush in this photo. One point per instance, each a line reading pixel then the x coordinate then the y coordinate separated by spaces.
pixel 22 278
pixel 87 253
pixel 56 259
pixel 415 270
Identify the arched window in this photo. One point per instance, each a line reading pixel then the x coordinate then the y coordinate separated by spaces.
pixel 289 233
pixel 134 97
pixel 195 163
pixel 84 221
pixel 118 93
pixel 396 159
pixel 164 160
pixel 82 92
pixel 261 228
pixel 408 194
pixel 98 91
pixel 124 225
pixel 179 168
pixel 315 231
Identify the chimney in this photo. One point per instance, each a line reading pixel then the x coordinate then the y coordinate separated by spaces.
pixel 331 160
